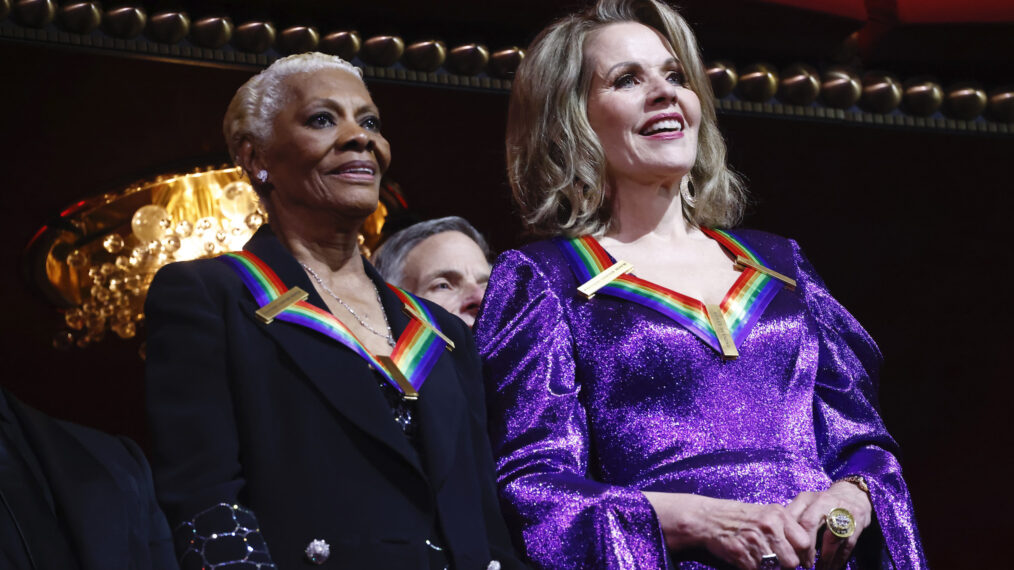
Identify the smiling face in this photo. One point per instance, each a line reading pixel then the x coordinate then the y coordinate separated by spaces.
pixel 449 269
pixel 326 151
pixel 639 105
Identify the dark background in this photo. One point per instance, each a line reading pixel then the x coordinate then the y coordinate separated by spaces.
pixel 906 226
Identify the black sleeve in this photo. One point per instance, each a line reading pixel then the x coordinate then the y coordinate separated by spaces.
pixel 501 547
pixel 160 542
pixel 198 475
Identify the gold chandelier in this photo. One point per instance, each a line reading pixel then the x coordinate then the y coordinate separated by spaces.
pixel 97 259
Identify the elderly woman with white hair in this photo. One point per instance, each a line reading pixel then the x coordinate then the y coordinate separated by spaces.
pixel 301 409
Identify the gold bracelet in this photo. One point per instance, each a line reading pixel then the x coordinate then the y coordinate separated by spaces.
pixel 858 481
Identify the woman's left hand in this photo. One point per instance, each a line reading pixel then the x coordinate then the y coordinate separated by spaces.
pixel 811 509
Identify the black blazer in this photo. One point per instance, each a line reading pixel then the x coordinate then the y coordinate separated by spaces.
pixel 285 421
pixel 101 490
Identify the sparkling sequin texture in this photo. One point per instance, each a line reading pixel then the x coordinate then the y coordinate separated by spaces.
pixel 224 536
pixel 592 401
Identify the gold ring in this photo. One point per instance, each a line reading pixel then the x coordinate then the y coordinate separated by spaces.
pixel 840 522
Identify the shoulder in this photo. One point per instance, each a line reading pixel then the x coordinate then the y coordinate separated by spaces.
pixel 114 452
pixel 208 278
pixel 207 270
pixel 110 449
pixel 778 252
pixel 765 242
pixel 541 261
pixel 450 325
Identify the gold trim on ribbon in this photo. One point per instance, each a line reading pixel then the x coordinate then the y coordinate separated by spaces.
pixel 742 262
pixel 408 390
pixel 722 331
pixel 412 313
pixel 268 312
pixel 590 287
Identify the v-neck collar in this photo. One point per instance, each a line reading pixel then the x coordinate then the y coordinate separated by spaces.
pixel 419 343
pixel 440 404
pixel 741 307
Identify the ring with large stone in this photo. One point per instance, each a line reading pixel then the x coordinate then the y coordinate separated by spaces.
pixel 769 562
pixel 841 523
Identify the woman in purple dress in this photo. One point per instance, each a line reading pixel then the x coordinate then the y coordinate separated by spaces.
pixel 713 406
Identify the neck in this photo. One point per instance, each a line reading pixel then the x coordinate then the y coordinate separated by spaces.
pixel 324 241
pixel 647 210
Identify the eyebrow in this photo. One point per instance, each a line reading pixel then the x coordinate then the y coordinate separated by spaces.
pixel 451 274
pixel 668 62
pixel 445 273
pixel 364 108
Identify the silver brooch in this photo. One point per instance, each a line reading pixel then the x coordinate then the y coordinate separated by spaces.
pixel 318 551
pixel 493 565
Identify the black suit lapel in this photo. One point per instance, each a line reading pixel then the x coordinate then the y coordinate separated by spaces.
pixel 88 500
pixel 336 371
pixel 441 404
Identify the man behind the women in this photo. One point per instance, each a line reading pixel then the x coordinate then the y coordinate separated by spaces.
pixel 445 260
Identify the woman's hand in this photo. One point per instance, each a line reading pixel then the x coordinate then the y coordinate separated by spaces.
pixel 810 509
pixel 739 533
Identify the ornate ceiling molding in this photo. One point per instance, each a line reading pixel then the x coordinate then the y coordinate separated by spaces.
pixel 800 91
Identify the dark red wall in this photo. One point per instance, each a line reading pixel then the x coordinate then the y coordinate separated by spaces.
pixel 907 228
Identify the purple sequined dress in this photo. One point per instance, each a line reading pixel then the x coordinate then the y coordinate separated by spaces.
pixel 592 401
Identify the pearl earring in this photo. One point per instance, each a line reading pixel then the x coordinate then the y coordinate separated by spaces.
pixel 262 175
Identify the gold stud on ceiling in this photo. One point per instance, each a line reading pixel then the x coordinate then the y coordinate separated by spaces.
pixel 469 59
pixel 758 83
pixel 345 44
pixel 34 13
pixel 1001 104
pixel 212 32
pixel 169 27
pixel 723 78
pixel 799 84
pixel 840 88
pixel 298 39
pixel 922 96
pixel 965 101
pixel 504 62
pixel 426 56
pixel 382 51
pixel 79 17
pixel 254 37
pixel 125 22
pixel 881 92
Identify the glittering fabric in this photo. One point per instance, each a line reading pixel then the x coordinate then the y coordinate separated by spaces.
pixel 592 401
pixel 224 536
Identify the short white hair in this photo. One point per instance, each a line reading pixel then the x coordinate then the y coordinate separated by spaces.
pixel 256 104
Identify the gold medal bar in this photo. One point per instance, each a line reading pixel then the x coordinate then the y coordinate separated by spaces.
pixel 589 287
pixel 268 312
pixel 408 390
pixel 790 283
pixel 408 310
pixel 722 331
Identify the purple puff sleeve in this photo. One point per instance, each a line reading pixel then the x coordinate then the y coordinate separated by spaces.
pixel 561 516
pixel 851 437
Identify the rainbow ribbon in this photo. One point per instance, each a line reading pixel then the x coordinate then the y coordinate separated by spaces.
pixel 415 353
pixel 420 344
pixel 741 307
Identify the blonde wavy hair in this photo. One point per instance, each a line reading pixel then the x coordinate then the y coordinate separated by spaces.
pixel 555 161
pixel 257 102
